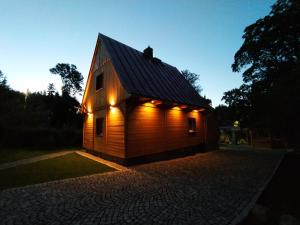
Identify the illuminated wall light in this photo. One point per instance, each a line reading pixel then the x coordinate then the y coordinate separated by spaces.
pixel 156 102
pixel 112 102
pixel 89 114
pixel 183 106
pixel 112 109
pixel 195 110
pixel 111 98
pixel 88 108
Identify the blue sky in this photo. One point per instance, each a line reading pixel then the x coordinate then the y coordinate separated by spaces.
pixel 201 36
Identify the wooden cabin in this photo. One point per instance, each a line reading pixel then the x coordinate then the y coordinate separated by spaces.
pixel 139 108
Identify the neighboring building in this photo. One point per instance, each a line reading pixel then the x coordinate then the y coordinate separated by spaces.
pixel 140 108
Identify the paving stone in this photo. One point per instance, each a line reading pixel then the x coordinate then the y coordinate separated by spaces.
pixel 210 188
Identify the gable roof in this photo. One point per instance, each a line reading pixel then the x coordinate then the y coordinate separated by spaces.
pixel 148 78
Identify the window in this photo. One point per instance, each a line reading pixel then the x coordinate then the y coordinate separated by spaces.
pixel 99 126
pixel 99 81
pixel 192 124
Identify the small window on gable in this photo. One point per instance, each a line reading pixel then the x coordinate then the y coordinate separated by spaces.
pixel 99 81
pixel 99 126
pixel 192 124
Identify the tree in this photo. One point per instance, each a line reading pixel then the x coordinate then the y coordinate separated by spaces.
pixel 11 105
pixel 193 79
pixel 51 89
pixel 271 44
pixel 3 80
pixel 270 61
pixel 71 78
pixel 239 104
pixel 225 115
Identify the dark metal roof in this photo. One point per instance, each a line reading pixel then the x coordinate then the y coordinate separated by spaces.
pixel 150 78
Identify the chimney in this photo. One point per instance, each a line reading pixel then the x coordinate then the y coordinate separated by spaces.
pixel 148 52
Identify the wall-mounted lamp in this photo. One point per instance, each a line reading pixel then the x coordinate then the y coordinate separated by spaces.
pixel 112 102
pixel 156 102
pixel 112 109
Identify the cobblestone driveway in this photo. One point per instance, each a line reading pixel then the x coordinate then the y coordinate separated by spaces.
pixel 210 188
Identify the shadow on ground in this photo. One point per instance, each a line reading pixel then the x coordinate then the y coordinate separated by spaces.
pixel 280 201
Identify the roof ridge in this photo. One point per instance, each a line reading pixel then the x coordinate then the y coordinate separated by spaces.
pixel 103 35
pixel 119 42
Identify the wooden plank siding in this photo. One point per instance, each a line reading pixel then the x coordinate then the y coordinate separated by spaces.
pixel 112 140
pixel 98 103
pixel 115 133
pixel 154 130
pixel 88 131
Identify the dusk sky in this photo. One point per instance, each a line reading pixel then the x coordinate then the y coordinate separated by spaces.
pixel 201 36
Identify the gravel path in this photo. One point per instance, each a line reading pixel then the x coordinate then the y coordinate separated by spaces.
pixel 209 188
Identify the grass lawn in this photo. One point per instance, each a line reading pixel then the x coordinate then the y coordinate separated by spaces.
pixel 10 155
pixel 282 196
pixel 67 166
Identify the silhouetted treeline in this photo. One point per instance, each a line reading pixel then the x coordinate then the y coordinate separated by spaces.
pixel 269 60
pixel 38 119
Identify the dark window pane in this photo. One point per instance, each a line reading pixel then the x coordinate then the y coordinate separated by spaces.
pixel 192 124
pixel 99 126
pixel 99 81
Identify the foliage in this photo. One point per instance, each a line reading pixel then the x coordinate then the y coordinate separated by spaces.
pixel 3 81
pixel 271 44
pixel 71 78
pixel 40 137
pixel 38 119
pixel 225 115
pixel 193 79
pixel 207 100
pixel 239 104
pixel 51 89
pixel 12 108
pixel 270 61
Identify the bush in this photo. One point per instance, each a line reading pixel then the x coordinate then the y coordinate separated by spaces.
pixel 41 137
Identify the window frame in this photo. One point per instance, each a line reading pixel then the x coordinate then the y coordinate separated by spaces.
pixel 100 77
pixel 99 127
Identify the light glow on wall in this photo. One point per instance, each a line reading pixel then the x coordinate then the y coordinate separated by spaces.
pixel 149 104
pixel 149 110
pixel 114 117
pixel 176 108
pixel 111 97
pixel 88 109
pixel 176 115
